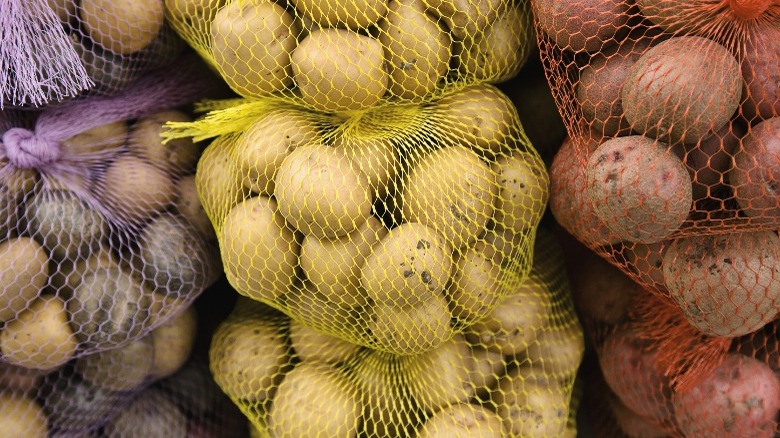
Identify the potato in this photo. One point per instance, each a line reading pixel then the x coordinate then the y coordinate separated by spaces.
pixel 569 198
pixel 22 416
pixel 476 285
pixel 741 396
pixel 119 369
pixel 346 318
pixel 480 117
pixel 411 263
pixel 666 94
pixel 65 9
pixel 248 356
pixel 761 72
pixel 39 337
pixel 638 188
pixel 259 251
pixel 135 190
pixel 452 191
pixel 601 291
pixel 333 266
pixel 464 18
pixel 189 206
pixel 65 224
pixel 251 42
pixel 72 405
pixel 265 143
pixel 632 424
pixel 312 345
pixel 441 376
pixel 24 271
pixel 217 180
pixel 376 158
pixel 524 188
pixel 498 52
pixel 178 156
pixel 600 83
pixel 710 160
pixel 414 328
pixel 416 47
pixel 104 139
pixel 173 258
pixel 173 342
pixel 463 420
pixel 313 400
pixel 515 321
pixel 14 185
pixel 556 352
pixel 124 26
pixel 505 246
pixel 20 380
pixel 109 306
pixel 726 284
pixel 339 70
pixel 74 272
pixel 152 415
pixel 531 409
pixel 488 366
pixel 352 14
pixel 755 173
pixel 646 262
pixel 582 26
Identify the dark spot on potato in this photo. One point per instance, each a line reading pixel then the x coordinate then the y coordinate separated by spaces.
pixel 727 261
pixel 425 276
pixel 423 244
pixel 617 156
pixel 408 273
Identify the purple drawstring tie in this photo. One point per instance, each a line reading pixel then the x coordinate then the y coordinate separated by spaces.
pixel 26 150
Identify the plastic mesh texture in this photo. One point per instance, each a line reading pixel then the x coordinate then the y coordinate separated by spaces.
pixel 669 169
pixel 492 381
pixel 338 56
pixel 57 49
pixel 103 237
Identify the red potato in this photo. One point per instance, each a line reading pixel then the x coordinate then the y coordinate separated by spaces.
pixel 638 188
pixel 726 285
pixel 646 261
pixel 741 397
pixel 633 424
pixel 761 70
pixel 601 291
pixel 709 160
pixel 569 200
pixel 580 25
pixel 756 173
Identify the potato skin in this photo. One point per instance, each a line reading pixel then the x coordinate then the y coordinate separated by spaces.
pixel 352 14
pixel 177 157
pixel 217 180
pixel 582 26
pixel 762 73
pixel 124 26
pixel 465 18
pixel 727 284
pixel 681 89
pixel 756 173
pixel 529 408
pixel 119 369
pixel 134 190
pixel 638 188
pixel 524 188
pixel 741 396
pixel 411 329
pixel 152 414
pixel 24 271
pixel 22 416
pixel 463 420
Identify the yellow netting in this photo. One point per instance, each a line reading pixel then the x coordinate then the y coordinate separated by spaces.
pixel 512 374
pixel 350 55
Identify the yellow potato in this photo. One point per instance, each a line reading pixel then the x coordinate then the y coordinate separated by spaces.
pixel 412 328
pixel 195 13
pixel 101 139
pixel 417 49
pixel 39 337
pixel 320 193
pixel 333 265
pixel 21 416
pixel 376 158
pixel 463 420
pixel 452 191
pixel 191 209
pixel 476 286
pixel 251 42
pixel 178 156
pixel 263 146
pixel 312 345
pixel 315 400
pixel 345 318
pixel 259 250
pixel 353 14
pixel 248 356
pixel 134 189
pixel 217 180
pixel 409 265
pixel 122 26
pixel 529 408
pixel 339 70
pixel 24 271
pixel 489 365
pixel 103 257
pixel 172 343
pixel 556 353
pixel 524 188
pixel 118 369
pixel 465 18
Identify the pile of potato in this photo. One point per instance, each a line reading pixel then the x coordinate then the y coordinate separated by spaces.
pixel 509 375
pixel 381 229
pixel 348 56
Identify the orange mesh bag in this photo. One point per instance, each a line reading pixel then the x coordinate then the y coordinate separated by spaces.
pixel 57 49
pixel 495 380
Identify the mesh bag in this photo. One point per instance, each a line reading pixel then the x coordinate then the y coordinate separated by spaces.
pixel 57 49
pixel 495 380
pixel 103 237
pixel 341 56
pixel 668 172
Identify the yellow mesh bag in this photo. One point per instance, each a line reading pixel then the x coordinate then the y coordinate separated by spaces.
pixel 380 227
pixel 294 381
pixel 350 55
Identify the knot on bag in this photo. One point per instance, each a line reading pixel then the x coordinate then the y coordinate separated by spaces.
pixel 26 150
